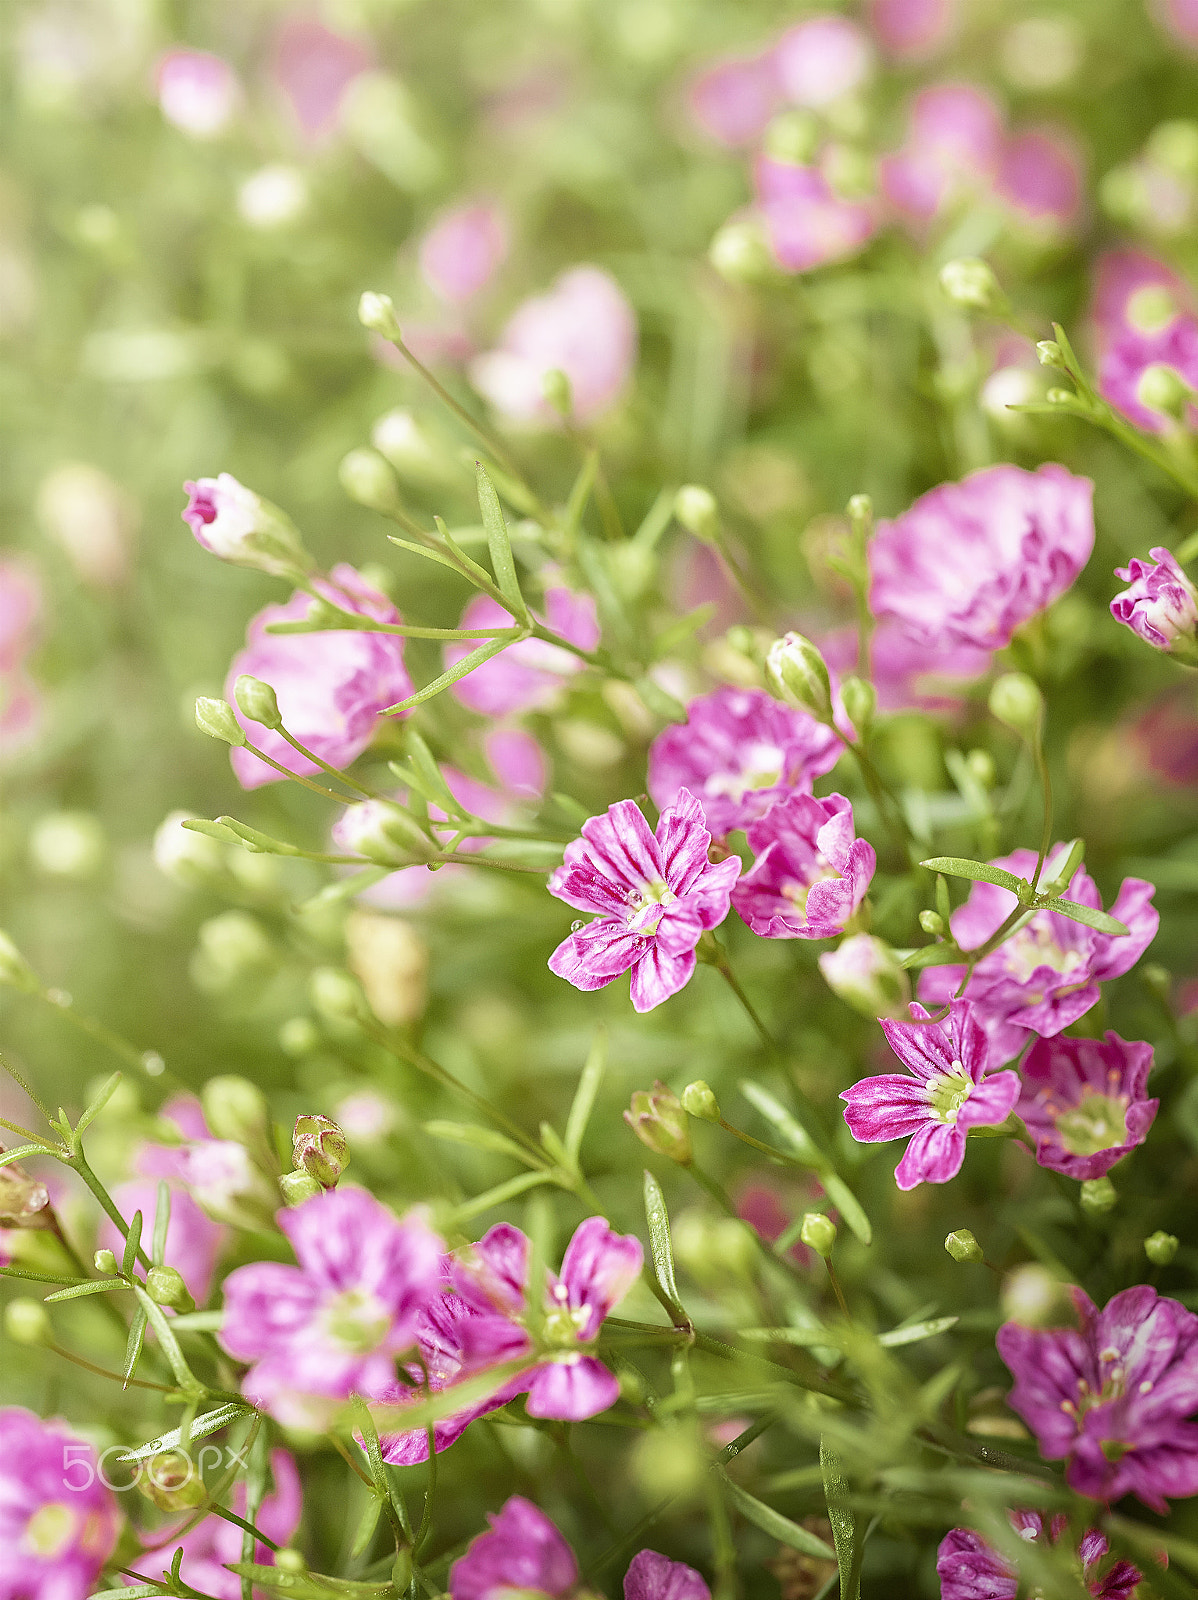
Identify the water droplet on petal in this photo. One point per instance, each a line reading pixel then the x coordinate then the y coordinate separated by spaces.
pixel 574 926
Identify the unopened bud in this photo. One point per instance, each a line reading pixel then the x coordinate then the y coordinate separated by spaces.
pixel 793 136
pixel 27 1322
pixel 336 995
pixel 818 1233
pixel 1151 309
pixel 22 1198
pixel 377 312
pixel 67 844
pixel 698 1100
pixel 215 718
pixel 291 1561
pixel 1033 1297
pixel 257 701
pixel 1163 389
pixel 296 1187
pixel 696 509
pixel 187 857
pixel 740 252
pixel 796 674
pixel 401 1571
pixel 383 832
pixel 165 1287
pixel 982 768
pixel 970 283
pixel 172 1482
pixel 962 1246
pixel 232 947
pixel 557 391
pixel 860 701
pixel 369 480
pixel 931 922
pixel 104 1262
pixel 298 1036
pixel 1050 354
pixel 235 1109
pixel 1016 701
pixel 319 1148
pixel 1160 1247
pixel 860 509
pixel 658 1120
pixel 1098 1196
pixel 1174 145
pixel 399 436
pixel 867 975
pixel 15 971
pixel 1061 397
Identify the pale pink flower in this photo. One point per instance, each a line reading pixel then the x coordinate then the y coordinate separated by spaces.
pixel 197 92
pixel 914 30
pixel 954 148
pixel 462 251
pixel 1042 178
pixel 58 1521
pixel 314 67
pixel 821 59
pixel 733 98
pixel 1143 316
pixel 528 675
pixel 909 675
pixel 807 223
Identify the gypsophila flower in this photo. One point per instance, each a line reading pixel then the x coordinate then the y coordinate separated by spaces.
pixel 58 1521
pixel 946 1094
pixel 811 872
pixel 1161 606
pixel 531 673
pixel 1083 1102
pixel 971 1569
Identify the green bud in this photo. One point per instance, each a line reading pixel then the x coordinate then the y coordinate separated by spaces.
pixel 696 509
pixel 792 136
pixel 860 700
pixel 298 1036
pixel 401 1571
pixel 105 1263
pixel 557 391
pixel 257 701
pixel 658 1120
pixel 232 948
pixel 699 1101
pixel 291 1561
pixel 969 282
pixel 319 1148
pixel 1050 354
pixel 931 922
pixel 337 996
pixel 1016 701
pixel 1032 1297
pixel 962 1246
pixel 400 437
pixel 1151 309
pixel 1175 146
pixel 796 674
pixel 740 252
pixel 165 1287
pixel 236 1109
pixel 384 832
pixel 860 509
pixel 1098 1196
pixel 1162 388
pixel 1160 1247
pixel 367 478
pixel 27 1322
pixel 377 312
pixel 171 1481
pixel 981 766
pixel 1061 397
pixel 296 1187
pixel 818 1233
pixel 215 718
pixel 15 971
pixel 67 844
pixel 1159 980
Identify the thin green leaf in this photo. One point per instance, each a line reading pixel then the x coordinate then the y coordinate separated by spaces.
pixel 580 493
pixel 479 1138
pixel 7 1157
pixel 976 872
pixel 307 1585
pixel 660 701
pixel 775 1524
pixel 162 1220
pixel 681 630
pixel 254 839
pixel 844 1523
pixel 803 1338
pixel 657 519
pixel 660 1243
pixel 93 1286
pixel 36 1277
pixel 438 556
pixel 137 1337
pixel 584 1096
pixel 466 665
pixel 211 830
pixel 846 1202
pixel 1064 866
pixel 132 1245
pixel 931 955
pixel 1100 921
pixel 427 768
pixel 184 1376
pixel 916 1331
pixel 500 1195
pixel 106 1093
pixel 210 1422
pixel 135 1591
pixel 198 1322
pixel 477 575
pixel 367 1523
pixel 500 545
pixel 776 1114
pixel 551 1143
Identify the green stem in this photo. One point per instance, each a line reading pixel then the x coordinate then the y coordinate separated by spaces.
pixel 246 1527
pixel 334 772
pixel 78 1163
pixel 296 777
pixel 1046 786
pixel 715 955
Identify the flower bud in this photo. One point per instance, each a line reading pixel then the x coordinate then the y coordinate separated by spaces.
pixel 215 718
pixel 818 1233
pixel 699 1101
pixel 257 701
pixel 860 700
pixel 165 1287
pixel 1174 145
pixel 796 674
pixel 982 768
pixel 369 480
pixel 22 1198
pixel 557 391
pixel 401 1571
pixel 232 948
pixel 658 1120
pixel 68 844
pixel 931 922
pixel 1032 1297
pixel 296 1187
pixel 740 252
pixel 1151 309
pixel 1160 1247
pixel 236 1109
pixel 399 436
pixel 172 1482
pixel 377 313
pixel 27 1322
pixel 696 509
pixel 298 1036
pixel 1016 701
pixel 187 857
pixel 105 1263
pixel 319 1148
pixel 336 996
pixel 15 971
pixel 383 832
pixel 860 509
pixel 793 136
pixel 239 526
pixel 1061 397
pixel 866 974
pixel 291 1561
pixel 1050 354
pixel 1098 1196
pixel 962 1246
pixel 970 283
pixel 1162 388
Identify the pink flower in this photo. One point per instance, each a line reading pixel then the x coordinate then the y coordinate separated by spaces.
pixel 739 751
pixel 954 147
pixel 461 252
pixel 656 895
pixel 651 1576
pixel 1161 606
pixel 1083 1102
pixel 1042 179
pixel 1180 18
pixel 477 1323
pixel 583 327
pixel 1112 1398
pixel 1165 737
pixel 237 525
pixel 821 59
pixel 808 224
pixel 210 1547
pixel 908 675
pixel 193 1240
pixel 314 67
pixel 971 1569
pixel 946 1094
pixel 810 873
pixel 971 561
pixel 58 1522
pixel 1046 975
pixel 333 1325
pixel 526 676
pixel 913 30
pixel 331 686
pixel 1142 318
pixel 197 92
pixel 733 99
pixel 20 611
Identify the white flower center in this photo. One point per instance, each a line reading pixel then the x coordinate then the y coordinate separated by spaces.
pixel 949 1092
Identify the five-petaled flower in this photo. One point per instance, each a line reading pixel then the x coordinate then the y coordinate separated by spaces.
pixel 811 871
pixel 946 1094
pixel 1083 1102
pixel 1161 606
pixel 58 1520
pixel 969 1568
pixel 656 894
pixel 1114 1397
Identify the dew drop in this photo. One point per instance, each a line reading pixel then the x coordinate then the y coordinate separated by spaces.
pixel 578 923
pixel 153 1063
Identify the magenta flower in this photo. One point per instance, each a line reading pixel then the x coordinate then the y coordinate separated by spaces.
pixel 807 223
pixel 1046 975
pixel 583 327
pixel 822 59
pixel 1042 179
pixel 946 1094
pixel 651 1576
pixel 739 751
pixel 971 1569
pixel 20 613
pixel 478 1323
pixel 1180 18
pixel 1083 1102
pixel 913 30
pixel 331 686
pixel 197 92
pixel 314 67
pixel 213 1544
pixel 1142 318
pixel 529 675
pixel 656 896
pixel 733 99
pixel 1113 1397
pixel 462 251
pixel 971 561
pixel 58 1522
pixel 908 675
pixel 1161 606
pixel 332 1326
pixel 1165 736
pixel 953 148
pixel 811 872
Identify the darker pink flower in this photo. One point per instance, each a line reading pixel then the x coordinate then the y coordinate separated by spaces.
pixel 656 895
pixel 738 752
pixel 806 222
pixel 953 149
pixel 913 30
pixel 946 1093
pixel 733 99
pixel 1083 1102
pixel 971 561
pixel 314 67
pixel 1042 178
pixel 821 59
pixel 1165 738
pixel 331 685
pixel 1161 606
pixel 462 251
pixel 211 1547
pixel 971 1569
pixel 651 1576
pixel 526 676
pixel 197 92
pixel 523 1552
pixel 810 872
pixel 1113 1398
pixel 58 1522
